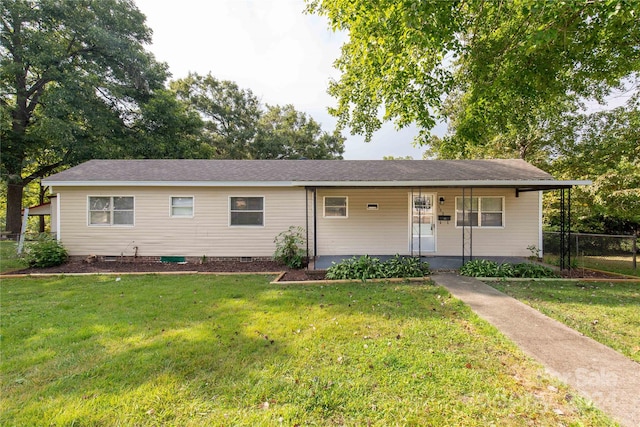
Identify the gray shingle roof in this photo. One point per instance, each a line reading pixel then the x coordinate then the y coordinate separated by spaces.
pixel 299 171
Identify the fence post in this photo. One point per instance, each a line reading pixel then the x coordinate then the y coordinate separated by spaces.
pixel 23 230
pixel 635 251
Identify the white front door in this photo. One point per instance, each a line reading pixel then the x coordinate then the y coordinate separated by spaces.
pixel 423 228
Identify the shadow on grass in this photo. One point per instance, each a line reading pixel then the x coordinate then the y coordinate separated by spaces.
pixel 612 294
pixel 236 350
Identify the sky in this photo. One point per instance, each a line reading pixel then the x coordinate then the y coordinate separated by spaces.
pixel 272 47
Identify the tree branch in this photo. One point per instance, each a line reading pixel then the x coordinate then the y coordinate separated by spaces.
pixel 43 171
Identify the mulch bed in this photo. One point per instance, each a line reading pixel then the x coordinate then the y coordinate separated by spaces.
pixel 79 266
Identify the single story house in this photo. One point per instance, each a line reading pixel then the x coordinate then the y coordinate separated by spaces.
pixel 235 208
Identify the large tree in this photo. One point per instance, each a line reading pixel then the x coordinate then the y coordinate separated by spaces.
pixel 605 148
pixel 505 57
pixel 72 77
pixel 237 126
pixel 511 77
pixel 285 133
pixel 230 114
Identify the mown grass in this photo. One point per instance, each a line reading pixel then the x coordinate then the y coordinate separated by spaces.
pixel 236 350
pixel 9 259
pixel 614 264
pixel 608 312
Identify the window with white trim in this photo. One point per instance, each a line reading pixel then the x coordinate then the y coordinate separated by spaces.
pixel 246 211
pixel 480 211
pixel 335 207
pixel 111 210
pixel 182 206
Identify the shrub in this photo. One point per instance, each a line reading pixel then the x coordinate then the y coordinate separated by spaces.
pixel 486 268
pixel 290 247
pixel 479 268
pixel 400 266
pixel 362 268
pixel 46 252
pixel 366 267
pixel 529 270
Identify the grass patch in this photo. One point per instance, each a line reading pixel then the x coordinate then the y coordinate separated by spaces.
pixel 606 312
pixel 621 264
pixel 9 259
pixel 236 350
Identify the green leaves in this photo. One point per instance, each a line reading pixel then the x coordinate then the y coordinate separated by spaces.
pixel 284 133
pixel 290 247
pixel 236 126
pixel 46 252
pixel 367 267
pixel 487 268
pixel 404 60
pixel 72 78
pixel 230 114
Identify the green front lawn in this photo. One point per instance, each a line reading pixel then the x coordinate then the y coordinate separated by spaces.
pixel 236 350
pixel 9 260
pixel 615 264
pixel 608 312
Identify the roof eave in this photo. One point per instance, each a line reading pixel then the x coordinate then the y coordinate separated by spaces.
pixel 533 184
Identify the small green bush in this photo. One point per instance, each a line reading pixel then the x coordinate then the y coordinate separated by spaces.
pixel 46 252
pixel 529 270
pixel 400 266
pixel 366 267
pixel 290 247
pixel 486 268
pixel 479 268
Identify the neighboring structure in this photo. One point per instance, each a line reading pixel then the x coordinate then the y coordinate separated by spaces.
pixel 235 208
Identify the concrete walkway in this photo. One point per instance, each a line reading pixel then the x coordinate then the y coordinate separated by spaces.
pixel 597 372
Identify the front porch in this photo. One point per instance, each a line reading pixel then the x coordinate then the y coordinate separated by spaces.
pixel 435 262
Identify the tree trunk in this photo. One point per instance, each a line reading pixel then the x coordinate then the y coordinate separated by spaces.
pixel 14 207
pixel 43 191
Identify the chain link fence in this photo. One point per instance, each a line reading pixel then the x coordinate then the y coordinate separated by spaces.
pixel 598 251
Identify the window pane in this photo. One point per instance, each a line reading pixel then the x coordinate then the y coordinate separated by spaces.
pixel 422 202
pixel 247 203
pixel 246 218
pixel 182 201
pixel 492 220
pixel 99 203
pixel 492 204
pixel 238 203
pixel 122 203
pixel 474 219
pixel 255 203
pixel 123 217
pixel 182 211
pixel 335 201
pixel 100 218
pixel 469 203
pixel 335 211
pixel 335 206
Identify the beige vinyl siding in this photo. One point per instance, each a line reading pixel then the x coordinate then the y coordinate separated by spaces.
pixel 375 232
pixel 521 225
pixel 386 231
pixel 156 233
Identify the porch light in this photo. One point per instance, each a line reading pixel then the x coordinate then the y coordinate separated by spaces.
pixel 441 200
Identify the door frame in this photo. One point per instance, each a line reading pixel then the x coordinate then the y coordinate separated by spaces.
pixel 434 198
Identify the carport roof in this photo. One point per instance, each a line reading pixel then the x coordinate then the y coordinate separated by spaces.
pixel 315 173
